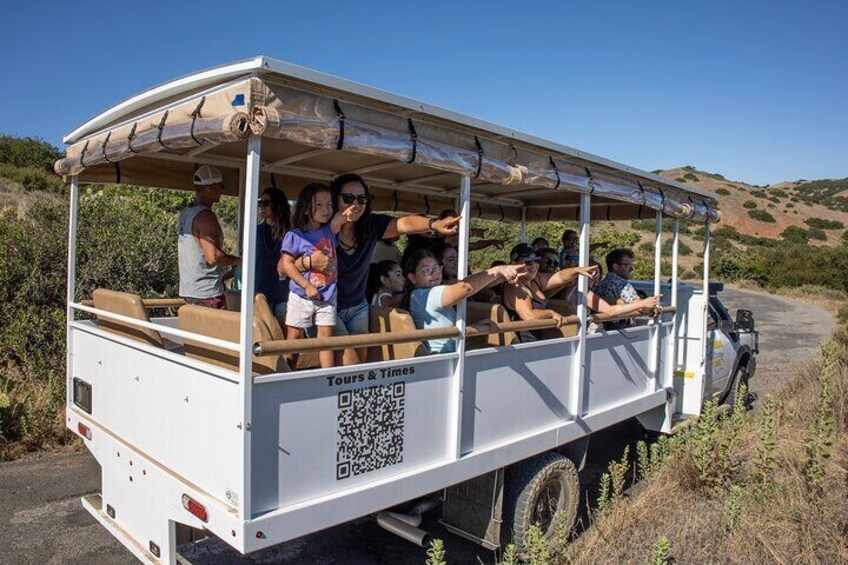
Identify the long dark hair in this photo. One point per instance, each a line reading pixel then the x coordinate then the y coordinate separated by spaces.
pixel 409 267
pixel 375 272
pixel 303 206
pixel 281 210
pixel 361 227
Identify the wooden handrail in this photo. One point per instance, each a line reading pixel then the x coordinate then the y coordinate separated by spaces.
pixel 150 302
pixel 487 327
pixel 279 347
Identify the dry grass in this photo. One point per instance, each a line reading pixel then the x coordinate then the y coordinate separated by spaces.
pixel 785 520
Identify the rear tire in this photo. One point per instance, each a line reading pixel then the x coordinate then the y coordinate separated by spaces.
pixel 740 378
pixel 536 490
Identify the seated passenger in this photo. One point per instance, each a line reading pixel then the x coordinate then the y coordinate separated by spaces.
pixel 528 298
pixel 570 243
pixel 615 288
pixel 431 303
pixel 597 304
pixel 539 244
pixel 449 260
pixel 385 284
pixel 550 261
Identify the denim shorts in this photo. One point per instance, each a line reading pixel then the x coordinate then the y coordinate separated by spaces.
pixel 353 320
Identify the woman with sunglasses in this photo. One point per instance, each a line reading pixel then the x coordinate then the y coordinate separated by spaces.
pixel 433 304
pixel 356 246
pixel 528 298
pixel 275 221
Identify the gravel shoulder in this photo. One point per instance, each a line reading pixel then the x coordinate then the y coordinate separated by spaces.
pixel 42 520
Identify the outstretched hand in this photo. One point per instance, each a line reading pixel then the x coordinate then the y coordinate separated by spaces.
pixel 650 302
pixel 447 226
pixel 592 271
pixel 513 273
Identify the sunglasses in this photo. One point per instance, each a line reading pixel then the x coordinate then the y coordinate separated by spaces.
pixel 531 261
pixel 264 203
pixel 572 257
pixel 349 198
pixel 430 270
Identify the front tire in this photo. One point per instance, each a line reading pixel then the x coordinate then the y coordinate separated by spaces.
pixel 536 490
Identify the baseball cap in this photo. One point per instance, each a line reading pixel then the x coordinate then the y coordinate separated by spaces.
pixel 206 175
pixel 523 252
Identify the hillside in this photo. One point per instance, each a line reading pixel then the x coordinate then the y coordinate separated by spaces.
pixel 819 208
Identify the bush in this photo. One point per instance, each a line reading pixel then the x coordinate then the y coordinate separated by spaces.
pixel 32 178
pixel 28 152
pixel 749 204
pixel 722 191
pixel 125 242
pixel 762 216
pixel 795 234
pixel 823 224
pixel 690 176
pixel 759 194
pixel 817 234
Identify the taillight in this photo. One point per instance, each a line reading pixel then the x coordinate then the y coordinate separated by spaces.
pixel 84 430
pixel 195 508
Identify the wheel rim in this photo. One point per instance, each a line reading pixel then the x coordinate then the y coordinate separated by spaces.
pixel 551 499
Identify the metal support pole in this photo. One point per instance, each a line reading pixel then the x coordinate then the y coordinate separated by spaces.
pixel 251 194
pixel 578 367
pixel 240 219
pixel 671 354
pixel 704 335
pixel 656 342
pixel 455 441
pixel 522 235
pixel 72 286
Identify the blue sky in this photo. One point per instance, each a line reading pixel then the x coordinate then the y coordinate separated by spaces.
pixel 754 90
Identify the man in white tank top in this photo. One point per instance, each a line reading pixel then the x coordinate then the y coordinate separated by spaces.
pixel 201 259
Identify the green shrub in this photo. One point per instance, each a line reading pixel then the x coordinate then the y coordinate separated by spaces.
pixel 28 152
pixel 722 191
pixel 795 234
pixel 33 178
pixel 749 204
pixel 680 179
pixel 823 224
pixel 690 176
pixel 817 234
pixel 758 194
pixel 762 216
pixel 124 242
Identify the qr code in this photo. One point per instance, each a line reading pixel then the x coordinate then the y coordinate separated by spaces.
pixel 370 432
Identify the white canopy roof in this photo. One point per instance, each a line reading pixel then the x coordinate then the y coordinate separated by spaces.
pixel 318 126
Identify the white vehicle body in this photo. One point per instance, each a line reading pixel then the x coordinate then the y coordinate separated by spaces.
pixel 276 456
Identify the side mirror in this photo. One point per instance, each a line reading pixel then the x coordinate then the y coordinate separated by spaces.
pixel 744 321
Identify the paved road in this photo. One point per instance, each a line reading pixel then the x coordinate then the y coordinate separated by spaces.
pixel 42 521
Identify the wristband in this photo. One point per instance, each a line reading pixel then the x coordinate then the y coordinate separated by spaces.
pixel 309 268
pixel 430 224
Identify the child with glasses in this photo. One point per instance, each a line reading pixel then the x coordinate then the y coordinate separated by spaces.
pixel 312 295
pixel 432 304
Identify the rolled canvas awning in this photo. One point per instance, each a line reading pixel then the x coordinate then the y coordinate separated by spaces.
pixel 412 159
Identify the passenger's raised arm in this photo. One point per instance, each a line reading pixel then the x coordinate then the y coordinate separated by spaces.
pixel 550 282
pixel 406 225
pixel 473 284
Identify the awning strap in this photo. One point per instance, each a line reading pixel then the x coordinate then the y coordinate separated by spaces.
pixel 273 181
pixel 397 201
pixel 130 138
pixel 117 172
pixel 160 127
pixel 82 154
pixel 503 214
pixel 642 190
pixel 591 180
pixel 194 115
pixel 427 205
pixel 479 156
pixel 479 209
pixel 556 171
pixel 103 147
pixel 341 116
pixel 413 139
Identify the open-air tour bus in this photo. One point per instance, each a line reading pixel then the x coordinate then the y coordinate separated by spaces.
pixel 197 421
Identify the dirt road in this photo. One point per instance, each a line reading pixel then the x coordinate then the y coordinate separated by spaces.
pixel 42 521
